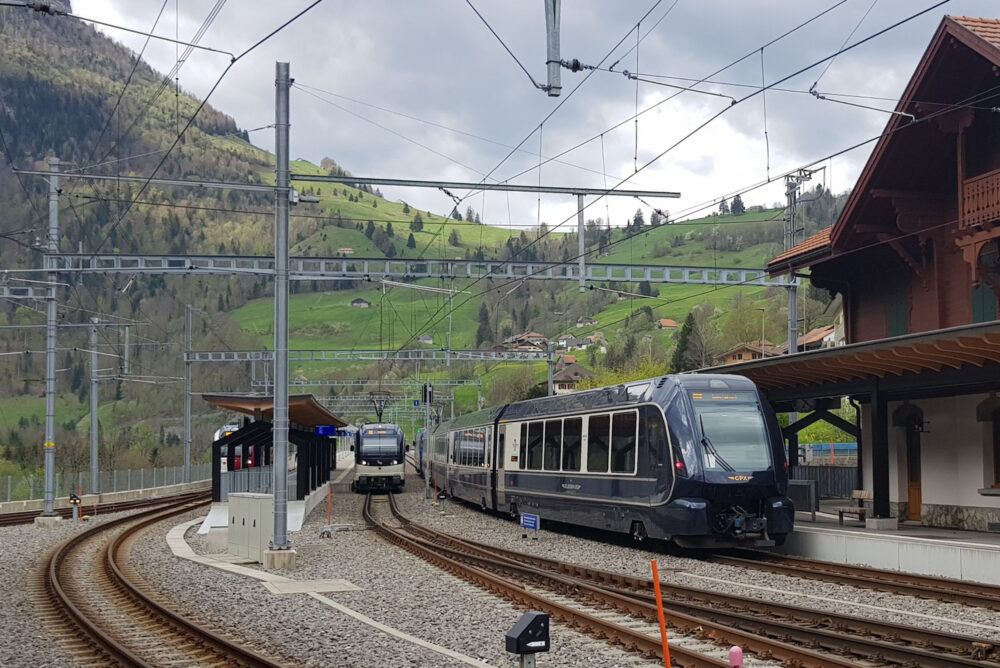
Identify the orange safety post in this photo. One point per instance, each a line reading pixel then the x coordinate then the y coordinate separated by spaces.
pixel 659 613
pixel 831 452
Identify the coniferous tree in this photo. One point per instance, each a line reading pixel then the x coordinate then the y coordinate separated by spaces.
pixel 411 242
pixel 738 208
pixel 678 362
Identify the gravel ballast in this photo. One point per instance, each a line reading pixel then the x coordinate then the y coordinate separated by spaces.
pixel 407 594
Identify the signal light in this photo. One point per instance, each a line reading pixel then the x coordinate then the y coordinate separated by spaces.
pixel 679 465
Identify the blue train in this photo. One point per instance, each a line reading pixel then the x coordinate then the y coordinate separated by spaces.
pixel 694 459
pixel 379 452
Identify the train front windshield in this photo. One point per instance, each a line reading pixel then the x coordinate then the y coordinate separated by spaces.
pixel 379 443
pixel 734 437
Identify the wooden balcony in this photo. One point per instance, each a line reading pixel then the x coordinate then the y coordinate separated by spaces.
pixel 981 199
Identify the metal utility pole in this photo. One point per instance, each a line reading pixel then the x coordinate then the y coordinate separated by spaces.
pixel 554 88
pixel 95 486
pixel 282 83
pixel 581 243
pixel 551 365
pixel 50 342
pixel 792 183
pixel 125 355
pixel 187 393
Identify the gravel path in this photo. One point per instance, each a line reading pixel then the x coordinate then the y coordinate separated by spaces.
pixel 411 596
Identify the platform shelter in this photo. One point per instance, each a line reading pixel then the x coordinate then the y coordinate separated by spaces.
pixel 242 460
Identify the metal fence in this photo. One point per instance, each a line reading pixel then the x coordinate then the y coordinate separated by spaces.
pixel 832 482
pixel 28 487
pixel 257 479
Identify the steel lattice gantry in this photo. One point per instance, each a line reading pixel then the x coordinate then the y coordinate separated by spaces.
pixel 362 269
pixel 344 355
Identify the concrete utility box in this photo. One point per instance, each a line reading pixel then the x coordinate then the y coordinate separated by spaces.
pixel 251 525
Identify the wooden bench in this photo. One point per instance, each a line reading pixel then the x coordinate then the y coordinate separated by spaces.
pixel 859 495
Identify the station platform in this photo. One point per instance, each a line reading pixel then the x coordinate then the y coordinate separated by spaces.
pixel 911 548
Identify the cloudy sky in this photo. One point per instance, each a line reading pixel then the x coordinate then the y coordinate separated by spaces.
pixel 424 90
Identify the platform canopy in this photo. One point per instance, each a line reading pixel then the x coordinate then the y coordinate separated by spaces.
pixel 303 409
pixel 939 363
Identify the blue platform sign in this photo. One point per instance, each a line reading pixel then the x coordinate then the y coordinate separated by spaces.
pixel 529 521
pixel 325 430
pixel 416 402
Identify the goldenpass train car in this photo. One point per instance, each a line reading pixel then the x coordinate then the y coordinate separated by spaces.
pixel 378 458
pixel 695 459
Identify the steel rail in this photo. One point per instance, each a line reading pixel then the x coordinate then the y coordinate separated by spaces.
pixel 896 643
pixel 520 595
pixel 100 641
pixel 28 516
pixel 922 586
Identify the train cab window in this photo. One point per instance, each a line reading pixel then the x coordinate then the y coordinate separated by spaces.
pixel 656 438
pixel 623 432
pixel 535 430
pixel 598 433
pixel 571 444
pixel 553 442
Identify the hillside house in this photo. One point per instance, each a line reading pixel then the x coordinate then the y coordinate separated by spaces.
pixel 585 321
pixel 360 303
pixel 425 340
pixel 666 323
pixel 743 352
pixel 567 378
pixel 526 342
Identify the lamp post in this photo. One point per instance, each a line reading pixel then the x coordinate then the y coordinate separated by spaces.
pixel 763 311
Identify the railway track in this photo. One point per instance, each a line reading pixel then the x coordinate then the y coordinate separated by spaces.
pixel 921 586
pixel 848 640
pixel 590 608
pixel 28 516
pixel 97 605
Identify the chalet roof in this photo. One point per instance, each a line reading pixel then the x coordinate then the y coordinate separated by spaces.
pixel 667 322
pixel 572 373
pixel 816 245
pixel 987 29
pixel 752 347
pixel 982 37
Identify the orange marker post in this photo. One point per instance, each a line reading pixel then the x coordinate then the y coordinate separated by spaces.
pixel 659 613
pixel 831 452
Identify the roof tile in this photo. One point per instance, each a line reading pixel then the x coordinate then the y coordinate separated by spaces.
pixel 987 29
pixel 815 242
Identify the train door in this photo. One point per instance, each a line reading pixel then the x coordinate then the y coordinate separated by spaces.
pixel 496 467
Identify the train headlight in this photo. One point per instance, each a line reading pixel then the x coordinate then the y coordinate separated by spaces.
pixel 364 462
pixel 394 462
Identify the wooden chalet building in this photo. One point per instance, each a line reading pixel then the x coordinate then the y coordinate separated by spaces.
pixel 915 257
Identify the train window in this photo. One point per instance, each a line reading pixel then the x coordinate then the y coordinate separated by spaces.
pixel 523 459
pixel 553 442
pixel 598 431
pixel 535 430
pixel 572 440
pixel 623 433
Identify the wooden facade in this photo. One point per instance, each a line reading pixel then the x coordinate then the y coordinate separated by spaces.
pixel 916 248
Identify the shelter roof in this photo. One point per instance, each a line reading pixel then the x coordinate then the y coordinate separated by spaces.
pixel 963 348
pixel 303 409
